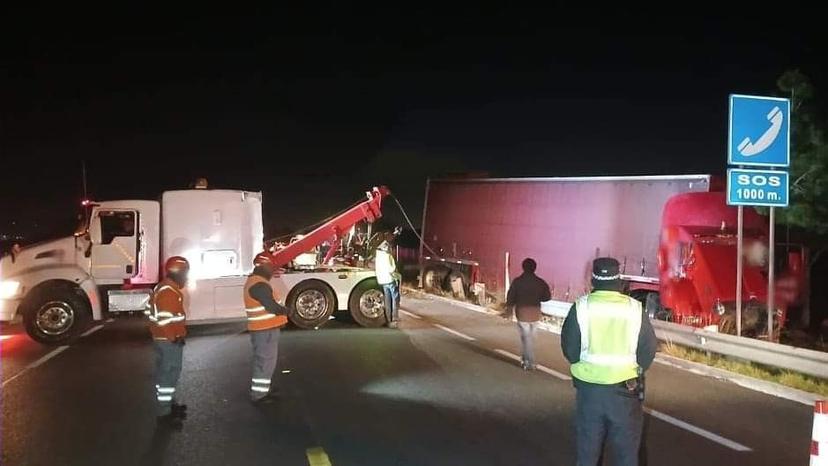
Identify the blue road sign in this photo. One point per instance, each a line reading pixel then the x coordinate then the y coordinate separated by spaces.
pixel 759 131
pixel 757 187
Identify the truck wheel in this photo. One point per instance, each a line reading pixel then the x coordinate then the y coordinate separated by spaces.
pixel 56 316
pixel 311 304
pixel 652 304
pixel 456 283
pixel 367 304
pixel 431 280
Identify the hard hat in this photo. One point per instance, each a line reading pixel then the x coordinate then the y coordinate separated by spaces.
pixel 262 258
pixel 176 264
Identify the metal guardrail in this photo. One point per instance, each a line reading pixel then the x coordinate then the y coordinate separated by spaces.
pixel 802 360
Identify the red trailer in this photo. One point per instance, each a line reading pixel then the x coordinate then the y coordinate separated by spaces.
pixel 674 237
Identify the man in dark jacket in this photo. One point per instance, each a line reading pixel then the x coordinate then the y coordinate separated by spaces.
pixel 610 342
pixel 524 299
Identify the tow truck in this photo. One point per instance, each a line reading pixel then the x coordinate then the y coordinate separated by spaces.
pixel 110 265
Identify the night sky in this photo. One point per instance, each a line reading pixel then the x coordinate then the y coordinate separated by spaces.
pixel 314 106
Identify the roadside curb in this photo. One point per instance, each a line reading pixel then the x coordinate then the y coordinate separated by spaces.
pixel 483 310
pixel 757 385
pixel 750 383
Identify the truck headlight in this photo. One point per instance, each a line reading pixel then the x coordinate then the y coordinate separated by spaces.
pixel 9 289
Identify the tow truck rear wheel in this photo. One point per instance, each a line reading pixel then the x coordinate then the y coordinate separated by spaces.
pixel 311 304
pixel 56 315
pixel 367 304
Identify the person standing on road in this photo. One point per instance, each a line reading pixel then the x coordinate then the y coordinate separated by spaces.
pixel 388 278
pixel 167 323
pixel 610 343
pixel 265 318
pixel 524 299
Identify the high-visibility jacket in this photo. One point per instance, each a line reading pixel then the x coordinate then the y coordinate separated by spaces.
pixel 258 318
pixel 385 266
pixel 166 314
pixel 609 323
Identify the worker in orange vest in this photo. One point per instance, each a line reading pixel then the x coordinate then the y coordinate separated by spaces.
pixel 265 318
pixel 167 323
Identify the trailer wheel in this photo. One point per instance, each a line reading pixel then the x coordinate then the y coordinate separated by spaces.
pixel 311 304
pixel 367 304
pixel 433 279
pixel 56 315
pixel 456 283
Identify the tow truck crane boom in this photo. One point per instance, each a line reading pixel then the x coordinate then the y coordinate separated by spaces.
pixel 334 228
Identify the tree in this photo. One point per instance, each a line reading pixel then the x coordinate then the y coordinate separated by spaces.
pixel 809 159
pixel 808 208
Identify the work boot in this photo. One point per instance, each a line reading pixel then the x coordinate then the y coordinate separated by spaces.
pixel 169 421
pixel 179 410
pixel 394 324
pixel 269 399
pixel 264 401
pixel 527 366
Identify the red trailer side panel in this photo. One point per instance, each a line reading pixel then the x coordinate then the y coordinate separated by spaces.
pixel 563 223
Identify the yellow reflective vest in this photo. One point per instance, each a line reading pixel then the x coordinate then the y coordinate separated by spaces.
pixel 609 323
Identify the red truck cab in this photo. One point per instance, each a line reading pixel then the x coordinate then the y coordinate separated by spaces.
pixel 697 264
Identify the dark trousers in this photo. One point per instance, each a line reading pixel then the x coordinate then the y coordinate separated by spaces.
pixel 391 293
pixel 168 362
pixel 607 413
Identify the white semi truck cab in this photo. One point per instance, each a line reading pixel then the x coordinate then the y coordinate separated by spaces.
pixel 111 265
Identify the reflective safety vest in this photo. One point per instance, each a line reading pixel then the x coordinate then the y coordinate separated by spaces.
pixel 610 323
pixel 166 314
pixel 257 316
pixel 385 266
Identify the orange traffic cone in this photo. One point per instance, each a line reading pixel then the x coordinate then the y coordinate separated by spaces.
pixel 819 438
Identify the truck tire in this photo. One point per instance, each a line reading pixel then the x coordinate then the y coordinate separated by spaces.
pixel 432 279
pixel 651 303
pixel 56 315
pixel 456 283
pixel 311 304
pixel 367 304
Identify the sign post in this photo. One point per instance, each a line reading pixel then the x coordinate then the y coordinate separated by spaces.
pixel 739 268
pixel 771 277
pixel 758 136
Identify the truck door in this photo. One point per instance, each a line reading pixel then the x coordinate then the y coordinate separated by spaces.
pixel 114 244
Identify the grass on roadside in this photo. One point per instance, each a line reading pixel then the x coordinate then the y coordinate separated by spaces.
pixel 787 378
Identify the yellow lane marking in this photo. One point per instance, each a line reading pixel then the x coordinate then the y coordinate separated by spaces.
pixel 318 457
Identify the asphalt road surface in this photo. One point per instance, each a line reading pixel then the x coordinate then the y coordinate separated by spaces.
pixel 442 390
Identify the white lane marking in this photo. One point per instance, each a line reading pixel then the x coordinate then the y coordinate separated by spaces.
pixel 697 430
pixel 540 367
pixel 656 414
pixel 111 319
pixel 454 332
pixel 553 372
pixel 410 314
pixel 48 356
pixel 13 377
pixel 92 330
pixel 509 355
